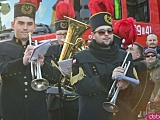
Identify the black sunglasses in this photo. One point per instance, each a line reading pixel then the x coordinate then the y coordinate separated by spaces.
pixel 153 55
pixel 103 31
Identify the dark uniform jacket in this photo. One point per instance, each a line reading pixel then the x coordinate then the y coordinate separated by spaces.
pixel 58 106
pixel 53 54
pixel 92 78
pixel 19 100
pixel 143 91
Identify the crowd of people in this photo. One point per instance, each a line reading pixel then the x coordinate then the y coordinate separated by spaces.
pixel 99 92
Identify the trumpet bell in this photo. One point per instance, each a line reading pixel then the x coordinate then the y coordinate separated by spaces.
pixel 110 107
pixel 39 84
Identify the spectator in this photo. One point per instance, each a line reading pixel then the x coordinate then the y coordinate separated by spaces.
pixel 153 65
pixel 141 97
pixel 152 42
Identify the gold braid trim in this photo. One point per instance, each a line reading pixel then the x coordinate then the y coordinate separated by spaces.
pixel 53 63
pixel 135 73
pixel 77 77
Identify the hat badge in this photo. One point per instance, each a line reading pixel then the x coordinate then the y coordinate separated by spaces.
pixel 63 25
pixel 108 19
pixel 26 9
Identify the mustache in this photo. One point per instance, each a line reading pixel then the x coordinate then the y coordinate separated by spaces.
pixel 106 38
pixel 152 44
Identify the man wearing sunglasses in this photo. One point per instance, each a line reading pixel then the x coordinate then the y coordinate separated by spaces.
pixel 153 65
pixel 93 69
pixel 144 89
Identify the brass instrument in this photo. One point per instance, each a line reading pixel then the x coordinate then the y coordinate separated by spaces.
pixel 72 44
pixel 75 30
pixel 111 106
pixel 39 83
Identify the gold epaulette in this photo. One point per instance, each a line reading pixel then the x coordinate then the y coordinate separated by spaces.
pixel 135 73
pixel 53 63
pixel 76 78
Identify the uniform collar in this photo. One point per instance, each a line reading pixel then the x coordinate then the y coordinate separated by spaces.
pixel 18 41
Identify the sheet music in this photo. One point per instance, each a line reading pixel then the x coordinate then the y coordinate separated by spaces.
pixel 129 79
pixel 65 66
pixel 6 40
pixel 40 49
pixel 54 90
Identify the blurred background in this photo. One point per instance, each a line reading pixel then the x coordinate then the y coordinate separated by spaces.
pixel 43 15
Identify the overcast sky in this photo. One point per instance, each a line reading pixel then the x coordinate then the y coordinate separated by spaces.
pixel 43 15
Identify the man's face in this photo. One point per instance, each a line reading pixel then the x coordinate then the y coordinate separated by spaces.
pixel 103 36
pixel 134 51
pixel 150 57
pixel 152 41
pixel 61 35
pixel 22 26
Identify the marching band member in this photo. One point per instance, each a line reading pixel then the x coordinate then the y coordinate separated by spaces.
pixel 59 108
pixel 93 69
pixel 19 100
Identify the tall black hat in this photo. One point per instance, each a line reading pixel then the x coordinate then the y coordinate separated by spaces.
pixel 102 11
pixel 100 19
pixel 26 8
pixel 63 9
pixel 61 25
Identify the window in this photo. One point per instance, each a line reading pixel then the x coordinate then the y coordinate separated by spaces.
pixel 138 9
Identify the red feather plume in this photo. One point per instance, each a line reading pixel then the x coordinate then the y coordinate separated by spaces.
pixel 54 6
pixel 96 6
pixel 126 30
pixel 36 2
pixel 64 9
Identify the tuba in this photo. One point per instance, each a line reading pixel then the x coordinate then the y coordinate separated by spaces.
pixel 72 44
pixel 75 30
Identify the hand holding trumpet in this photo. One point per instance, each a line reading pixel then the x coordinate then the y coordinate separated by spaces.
pixel 27 56
pixel 38 83
pixel 122 84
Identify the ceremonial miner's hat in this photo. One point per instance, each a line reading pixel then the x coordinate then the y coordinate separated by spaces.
pixel 63 9
pixel 102 11
pixel 61 25
pixel 100 19
pixel 26 8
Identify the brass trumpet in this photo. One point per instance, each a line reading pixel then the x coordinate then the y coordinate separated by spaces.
pixel 38 84
pixel 111 106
